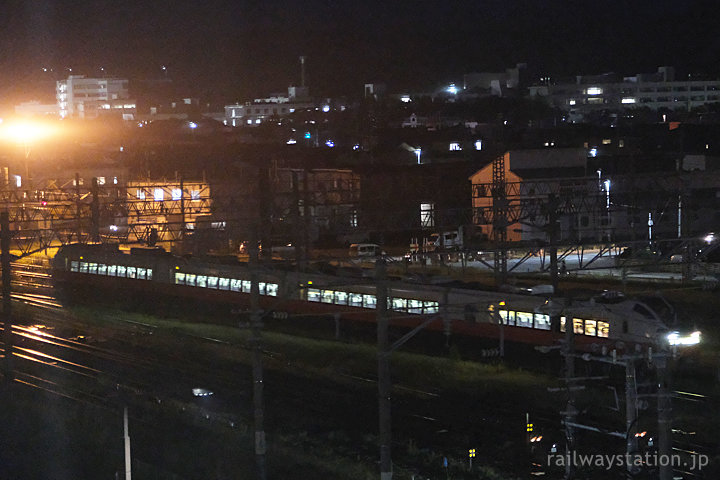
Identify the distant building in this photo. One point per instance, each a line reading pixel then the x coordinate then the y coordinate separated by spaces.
pixel 262 109
pixel 610 92
pixel 81 97
pixel 35 108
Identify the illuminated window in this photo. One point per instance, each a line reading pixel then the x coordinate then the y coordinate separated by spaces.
pixel 415 306
pixel 313 295
pixel 524 319
pixel 628 100
pixel 112 270
pixel 271 289
pixel 478 144
pixel 201 281
pixel 590 327
pixel 508 317
pixel 159 194
pixel 431 307
pixel 224 284
pixel 455 147
pixel 176 194
pixel 327 296
pixel 603 329
pixel 399 304
pixel 369 301
pixel 578 326
pixel 572 102
pixel 542 322
pixel 341 298
pixel 140 194
pixel 236 285
pixel 356 299
pixel 427 215
pixel 101 180
pixel 102 269
pixel 195 195
pixel 212 282
pixel 121 270
pixel 594 91
pixel 131 272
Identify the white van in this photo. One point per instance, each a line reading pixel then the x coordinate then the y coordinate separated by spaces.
pixel 365 250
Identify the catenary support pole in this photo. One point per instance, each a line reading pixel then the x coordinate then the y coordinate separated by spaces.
pixel 126 438
pixel 384 381
pixel 7 314
pixel 257 367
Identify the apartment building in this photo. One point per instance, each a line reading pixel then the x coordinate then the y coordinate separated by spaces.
pixel 81 97
pixel 610 92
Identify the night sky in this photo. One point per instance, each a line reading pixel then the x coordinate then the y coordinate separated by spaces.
pixel 233 50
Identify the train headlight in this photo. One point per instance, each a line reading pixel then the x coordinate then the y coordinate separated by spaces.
pixel 674 338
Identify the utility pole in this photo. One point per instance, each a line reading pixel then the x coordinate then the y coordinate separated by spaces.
pixel 384 381
pixel 552 233
pixel 7 314
pixel 95 212
pixel 126 438
pixel 257 368
pixel 630 409
pixel 570 409
pixel 664 417
pixel 77 206
pixel 500 219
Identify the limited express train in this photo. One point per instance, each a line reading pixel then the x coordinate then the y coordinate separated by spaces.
pixel 617 322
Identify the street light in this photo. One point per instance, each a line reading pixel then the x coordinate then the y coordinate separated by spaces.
pixel 26 133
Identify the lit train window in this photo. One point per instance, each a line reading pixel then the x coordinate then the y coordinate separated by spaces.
pixel 102 269
pixel 92 268
pixel 201 281
pixel 542 322
pixel 271 289
pixel 179 278
pixel 415 306
pixel 190 279
pixel 578 326
pixel 131 272
pixel 524 319
pixel 212 282
pixel 83 267
pixel 224 284
pixel 399 304
pixel 562 324
pixel 313 295
pixel 431 307
pixel 327 296
pixel 341 298
pixel 356 299
pixel 112 270
pixel 590 327
pixel 508 317
pixel 74 266
pixel 236 285
pixel 246 286
pixel 149 274
pixel 261 287
pixel 121 270
pixel 369 301
pixel 603 329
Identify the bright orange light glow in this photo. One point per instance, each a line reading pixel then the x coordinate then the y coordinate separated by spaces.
pixel 24 132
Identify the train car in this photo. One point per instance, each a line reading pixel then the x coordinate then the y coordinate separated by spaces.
pixel 602 323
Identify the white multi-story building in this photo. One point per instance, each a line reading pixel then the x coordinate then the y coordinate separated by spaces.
pixel 80 97
pixel 612 93
pixel 261 109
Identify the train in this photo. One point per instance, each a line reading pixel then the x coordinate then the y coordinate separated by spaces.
pixel 601 323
